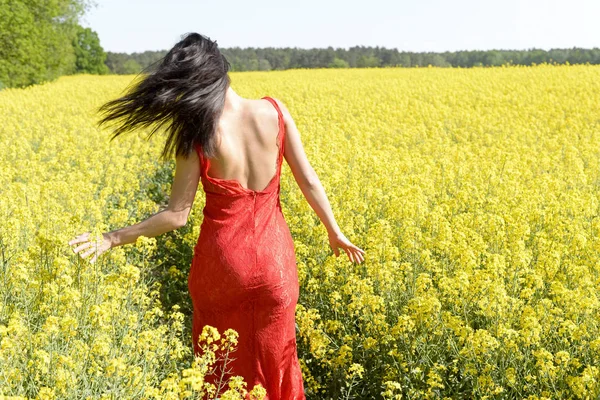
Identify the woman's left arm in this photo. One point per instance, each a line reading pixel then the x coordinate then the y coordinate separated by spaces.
pixel 183 192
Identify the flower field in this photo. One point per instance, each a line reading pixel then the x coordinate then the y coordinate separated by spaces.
pixel 474 192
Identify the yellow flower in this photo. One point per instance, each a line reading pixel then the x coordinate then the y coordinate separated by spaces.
pixel 474 194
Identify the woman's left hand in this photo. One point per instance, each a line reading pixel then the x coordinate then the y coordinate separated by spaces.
pixel 95 247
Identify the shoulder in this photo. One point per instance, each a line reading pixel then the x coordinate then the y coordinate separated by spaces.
pixel 279 102
pixel 283 108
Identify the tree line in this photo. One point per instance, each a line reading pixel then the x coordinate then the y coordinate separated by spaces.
pixel 41 40
pixel 266 59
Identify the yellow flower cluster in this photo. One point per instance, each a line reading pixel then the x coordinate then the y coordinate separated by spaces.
pixel 473 191
pixel 192 385
pixel 70 329
pixel 475 195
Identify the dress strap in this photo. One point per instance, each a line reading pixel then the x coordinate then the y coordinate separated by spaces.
pixel 281 133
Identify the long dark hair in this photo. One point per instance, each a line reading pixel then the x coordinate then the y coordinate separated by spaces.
pixel 185 90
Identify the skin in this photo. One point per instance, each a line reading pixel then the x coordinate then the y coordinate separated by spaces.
pixel 187 179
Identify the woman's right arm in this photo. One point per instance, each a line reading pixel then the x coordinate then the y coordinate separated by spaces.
pixel 312 189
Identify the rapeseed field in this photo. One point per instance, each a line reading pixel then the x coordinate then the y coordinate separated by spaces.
pixel 474 192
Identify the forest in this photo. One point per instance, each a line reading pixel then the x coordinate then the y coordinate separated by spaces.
pixel 266 59
pixel 41 40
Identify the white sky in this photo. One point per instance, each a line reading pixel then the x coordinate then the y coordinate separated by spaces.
pixel 408 25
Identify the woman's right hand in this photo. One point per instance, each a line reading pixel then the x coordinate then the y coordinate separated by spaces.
pixel 337 240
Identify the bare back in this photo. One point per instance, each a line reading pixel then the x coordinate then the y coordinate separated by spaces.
pixel 247 145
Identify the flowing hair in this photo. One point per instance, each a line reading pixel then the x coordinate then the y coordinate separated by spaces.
pixel 185 90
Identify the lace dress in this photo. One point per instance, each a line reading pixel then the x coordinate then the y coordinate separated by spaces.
pixel 244 276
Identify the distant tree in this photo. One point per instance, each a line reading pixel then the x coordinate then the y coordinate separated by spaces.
pixel 493 58
pixel 535 56
pixel 459 59
pixel 279 59
pixel 595 55
pixel 36 39
pixel 417 59
pixel 390 58
pixel 90 56
pixel 131 67
pixel 115 61
pixel 264 65
pixel 404 60
pixel 558 55
pixel 148 57
pixel 437 60
pixel 339 63
pixel 365 61
pixel 324 57
pixel 252 64
pixel 264 59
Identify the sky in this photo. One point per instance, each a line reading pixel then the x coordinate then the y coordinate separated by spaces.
pixel 407 25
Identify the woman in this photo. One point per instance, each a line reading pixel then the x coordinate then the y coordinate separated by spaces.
pixel 243 274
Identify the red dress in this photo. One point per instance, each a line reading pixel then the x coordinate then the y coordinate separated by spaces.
pixel 244 276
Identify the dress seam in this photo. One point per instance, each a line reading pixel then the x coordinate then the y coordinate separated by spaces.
pixel 254 235
pixel 253 344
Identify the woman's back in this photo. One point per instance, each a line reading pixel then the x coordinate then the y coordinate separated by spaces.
pixel 247 144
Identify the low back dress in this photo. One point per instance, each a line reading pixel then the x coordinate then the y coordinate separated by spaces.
pixel 244 276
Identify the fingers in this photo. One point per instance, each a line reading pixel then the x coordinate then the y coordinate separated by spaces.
pixel 360 257
pixel 355 254
pixel 358 249
pixel 93 246
pixel 358 253
pixel 350 255
pixel 81 238
pixel 90 251
pixel 81 247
